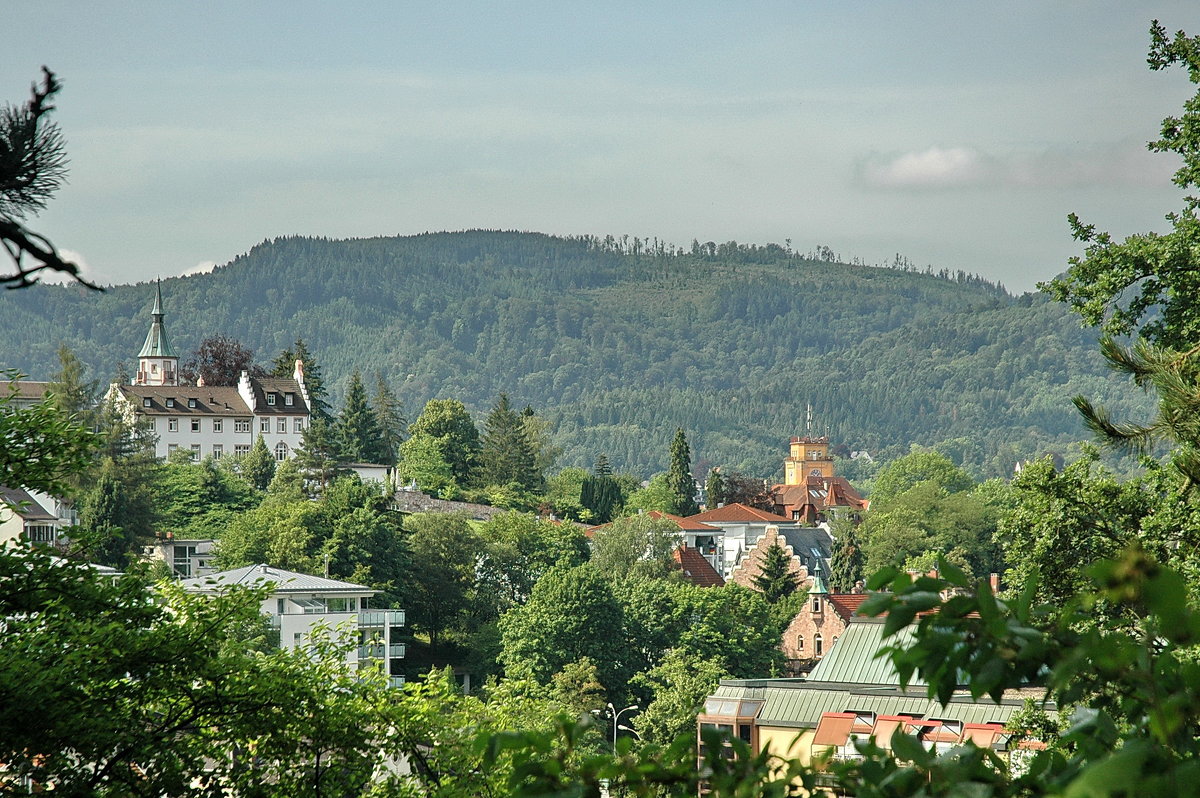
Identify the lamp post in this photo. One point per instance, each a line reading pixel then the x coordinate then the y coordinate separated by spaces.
pixel 614 715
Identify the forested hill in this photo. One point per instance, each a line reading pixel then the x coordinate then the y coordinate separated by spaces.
pixel 618 345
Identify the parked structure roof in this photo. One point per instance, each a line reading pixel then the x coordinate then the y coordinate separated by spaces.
pixel 284 581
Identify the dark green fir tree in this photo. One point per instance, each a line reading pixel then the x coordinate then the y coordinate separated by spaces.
pixel 679 476
pixel 776 579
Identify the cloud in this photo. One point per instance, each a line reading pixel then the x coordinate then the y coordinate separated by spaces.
pixel 203 267
pixel 935 167
pixel 61 278
pixel 1112 164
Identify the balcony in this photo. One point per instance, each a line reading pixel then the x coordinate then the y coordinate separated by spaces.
pixel 377 619
pixel 378 650
pixel 396 651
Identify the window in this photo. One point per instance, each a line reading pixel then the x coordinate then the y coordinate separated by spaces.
pixel 39 533
pixel 172 425
pixel 195 425
pixel 281 451
pixel 154 369
pixel 289 399
pixel 241 425
pixel 146 402
pixel 799 642
pixel 281 606
pixel 818 646
pixel 218 425
pixel 271 399
pixel 191 402
pixel 195 453
pixel 218 450
pixel 817 603
pixel 281 427
pixel 170 402
pixel 264 425
pixel 240 449
pixel 298 425
pixel 171 448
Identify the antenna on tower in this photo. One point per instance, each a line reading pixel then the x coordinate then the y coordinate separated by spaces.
pixel 808 423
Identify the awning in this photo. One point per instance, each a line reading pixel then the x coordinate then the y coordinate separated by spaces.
pixel 834 728
pixel 885 727
pixel 982 734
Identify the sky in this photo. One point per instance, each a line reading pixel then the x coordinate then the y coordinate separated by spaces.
pixel 956 134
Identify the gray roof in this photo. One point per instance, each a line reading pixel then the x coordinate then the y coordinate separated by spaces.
pixel 799 704
pixel 852 658
pixel 813 545
pixel 284 581
pixel 24 505
pixel 210 400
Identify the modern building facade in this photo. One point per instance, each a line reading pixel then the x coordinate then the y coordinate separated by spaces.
pixel 301 606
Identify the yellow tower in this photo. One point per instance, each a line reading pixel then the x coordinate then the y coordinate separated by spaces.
pixel 807 456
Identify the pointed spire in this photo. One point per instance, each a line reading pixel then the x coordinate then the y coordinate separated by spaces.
pixel 818 585
pixel 157 343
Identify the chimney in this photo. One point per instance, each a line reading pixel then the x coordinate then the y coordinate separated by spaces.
pixel 994 581
pixel 298 374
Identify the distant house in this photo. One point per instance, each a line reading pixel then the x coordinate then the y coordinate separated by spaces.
pixel 819 625
pixel 702 541
pixel 810 550
pixel 811 493
pixel 25 519
pixel 300 605
pixel 852 695
pixel 185 557
pixel 742 526
pixel 211 420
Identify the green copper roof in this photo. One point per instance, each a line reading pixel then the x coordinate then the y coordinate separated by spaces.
pixel 157 343
pixel 852 658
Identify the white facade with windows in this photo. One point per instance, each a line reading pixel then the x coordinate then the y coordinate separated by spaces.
pixel 301 606
pixel 212 420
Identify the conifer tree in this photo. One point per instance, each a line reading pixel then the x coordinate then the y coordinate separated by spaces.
pixel 319 452
pixel 776 579
pixel 679 476
pixel 600 493
pixel 846 567
pixel 714 488
pixel 357 429
pixel 258 466
pixel 73 395
pixel 506 455
pixel 389 417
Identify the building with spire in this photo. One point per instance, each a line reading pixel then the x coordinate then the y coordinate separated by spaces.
pixel 158 363
pixel 214 420
pixel 811 493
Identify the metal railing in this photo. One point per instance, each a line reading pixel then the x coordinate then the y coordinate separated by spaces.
pixel 380 618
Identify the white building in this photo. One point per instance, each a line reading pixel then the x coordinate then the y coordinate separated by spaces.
pixel 214 420
pixel 301 604
pixel 27 517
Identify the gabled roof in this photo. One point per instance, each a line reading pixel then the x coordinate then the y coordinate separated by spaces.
pixel 284 581
pixel 684 524
pixel 696 569
pixel 738 513
pixel 281 388
pixel 20 502
pixel 31 390
pixel 210 400
pixel 853 658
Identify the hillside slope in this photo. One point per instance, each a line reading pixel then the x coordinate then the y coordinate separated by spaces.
pixel 618 349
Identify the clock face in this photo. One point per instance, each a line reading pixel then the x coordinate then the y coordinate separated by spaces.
pixel 816 472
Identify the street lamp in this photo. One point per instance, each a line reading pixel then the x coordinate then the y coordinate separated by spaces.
pixel 614 715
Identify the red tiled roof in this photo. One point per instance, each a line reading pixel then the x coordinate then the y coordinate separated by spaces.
pixel 696 569
pixel 846 604
pixel 684 524
pixel 734 513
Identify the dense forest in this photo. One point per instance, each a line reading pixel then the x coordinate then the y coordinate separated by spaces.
pixel 619 342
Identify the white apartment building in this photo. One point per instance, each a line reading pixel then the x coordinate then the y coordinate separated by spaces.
pixel 29 517
pixel 301 604
pixel 211 420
